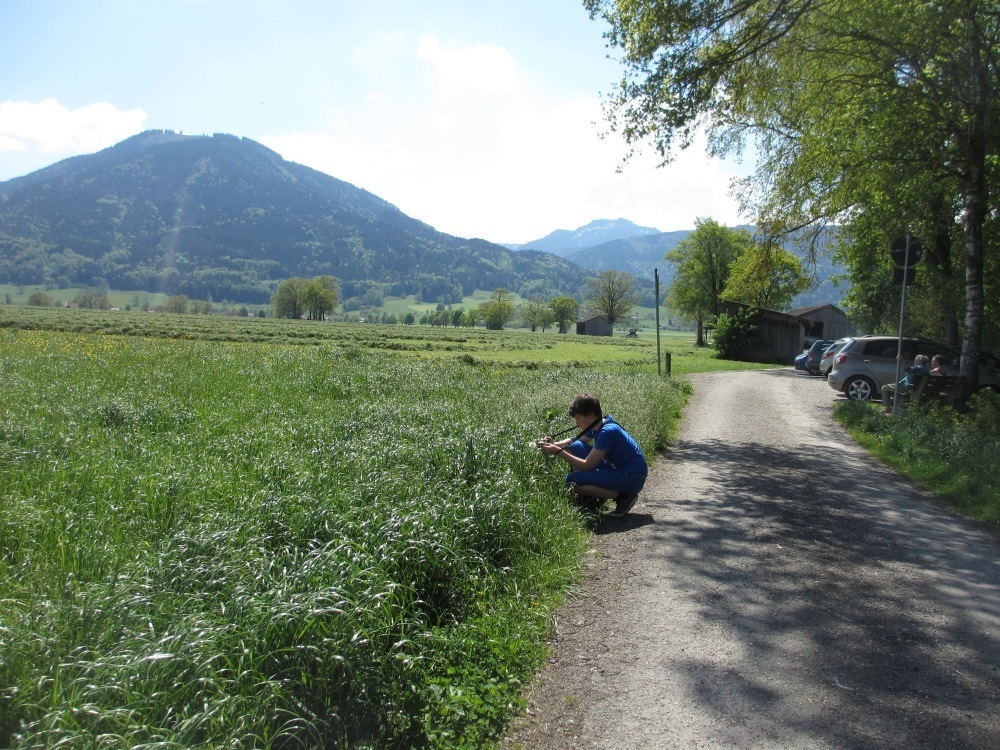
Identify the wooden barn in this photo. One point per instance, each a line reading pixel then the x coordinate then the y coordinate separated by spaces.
pixel 594 325
pixel 778 337
pixel 825 322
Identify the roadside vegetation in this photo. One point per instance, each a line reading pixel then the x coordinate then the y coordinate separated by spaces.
pixel 955 454
pixel 214 537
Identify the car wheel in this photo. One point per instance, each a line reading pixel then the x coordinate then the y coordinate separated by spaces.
pixel 859 388
pixel 813 372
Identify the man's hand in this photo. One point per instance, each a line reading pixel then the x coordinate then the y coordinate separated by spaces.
pixel 545 445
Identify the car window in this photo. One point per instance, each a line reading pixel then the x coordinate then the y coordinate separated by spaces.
pixel 931 349
pixel 911 349
pixel 881 348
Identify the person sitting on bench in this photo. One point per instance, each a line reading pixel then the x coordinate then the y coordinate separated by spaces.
pixel 909 380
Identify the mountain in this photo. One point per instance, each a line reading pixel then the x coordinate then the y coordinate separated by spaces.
pixel 565 242
pixel 637 255
pixel 224 216
pixel 641 254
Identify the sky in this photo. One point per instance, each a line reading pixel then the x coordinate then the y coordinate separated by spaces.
pixel 480 119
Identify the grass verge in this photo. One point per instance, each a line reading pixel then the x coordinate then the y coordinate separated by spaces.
pixel 955 455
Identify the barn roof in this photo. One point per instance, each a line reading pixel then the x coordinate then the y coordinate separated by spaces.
pixel 816 308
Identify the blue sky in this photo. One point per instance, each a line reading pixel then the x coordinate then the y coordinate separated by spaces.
pixel 481 119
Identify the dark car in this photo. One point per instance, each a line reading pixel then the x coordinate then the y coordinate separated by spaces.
pixel 800 362
pixel 815 355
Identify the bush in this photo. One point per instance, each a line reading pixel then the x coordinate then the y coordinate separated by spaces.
pixel 733 333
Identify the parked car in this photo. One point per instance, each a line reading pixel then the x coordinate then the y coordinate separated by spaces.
pixel 800 361
pixel 826 362
pixel 814 355
pixel 866 363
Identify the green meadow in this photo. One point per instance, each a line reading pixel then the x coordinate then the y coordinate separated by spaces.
pixel 271 534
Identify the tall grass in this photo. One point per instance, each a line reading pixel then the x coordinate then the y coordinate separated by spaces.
pixel 955 454
pixel 223 544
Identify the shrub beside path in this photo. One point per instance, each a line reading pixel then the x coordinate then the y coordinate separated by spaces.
pixel 775 587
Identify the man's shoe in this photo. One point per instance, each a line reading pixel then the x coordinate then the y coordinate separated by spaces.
pixel 623 504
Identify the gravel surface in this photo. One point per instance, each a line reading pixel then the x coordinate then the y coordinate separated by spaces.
pixel 775 587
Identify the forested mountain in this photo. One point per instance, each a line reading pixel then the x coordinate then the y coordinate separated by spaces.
pixel 224 216
pixel 638 255
pixel 567 242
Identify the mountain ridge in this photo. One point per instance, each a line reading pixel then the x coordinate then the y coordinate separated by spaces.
pixel 225 216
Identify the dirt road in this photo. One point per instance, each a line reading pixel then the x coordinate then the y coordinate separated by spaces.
pixel 775 587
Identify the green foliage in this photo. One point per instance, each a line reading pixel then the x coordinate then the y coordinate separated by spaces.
pixel 765 275
pixel 537 314
pixel 565 310
pixel 499 311
pixel 219 544
pixel 703 261
pixel 956 455
pixel 40 299
pixel 288 299
pixel 733 333
pixel 93 299
pixel 797 80
pixel 177 303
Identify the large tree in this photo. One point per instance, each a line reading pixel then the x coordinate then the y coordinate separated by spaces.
pixel 319 296
pixel 703 261
pixel 836 98
pixel 612 294
pixel 565 310
pixel 499 311
pixel 537 314
pixel 287 299
pixel 766 275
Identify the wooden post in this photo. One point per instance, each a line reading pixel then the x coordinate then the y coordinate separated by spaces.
pixel 656 286
pixel 666 362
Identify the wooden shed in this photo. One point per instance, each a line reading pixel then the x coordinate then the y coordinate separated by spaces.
pixel 594 325
pixel 778 337
pixel 825 322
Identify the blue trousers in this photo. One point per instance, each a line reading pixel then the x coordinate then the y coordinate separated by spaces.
pixel 603 475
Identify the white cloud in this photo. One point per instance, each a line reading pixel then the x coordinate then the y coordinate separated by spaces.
pixel 48 126
pixel 482 70
pixel 486 155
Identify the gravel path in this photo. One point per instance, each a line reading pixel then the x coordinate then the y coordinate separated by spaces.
pixel 775 587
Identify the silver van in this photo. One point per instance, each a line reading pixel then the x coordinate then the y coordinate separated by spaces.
pixel 866 363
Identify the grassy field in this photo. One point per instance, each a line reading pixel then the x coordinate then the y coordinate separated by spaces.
pixel 261 533
pixel 513 348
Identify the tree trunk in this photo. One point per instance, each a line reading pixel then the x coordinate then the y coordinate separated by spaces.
pixel 974 211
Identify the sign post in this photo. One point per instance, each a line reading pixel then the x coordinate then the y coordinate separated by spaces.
pixel 905 251
pixel 656 288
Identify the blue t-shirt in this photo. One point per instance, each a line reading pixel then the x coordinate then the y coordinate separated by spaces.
pixel 620 449
pixel 913 373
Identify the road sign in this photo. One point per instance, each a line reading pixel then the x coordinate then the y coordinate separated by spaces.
pixel 897 250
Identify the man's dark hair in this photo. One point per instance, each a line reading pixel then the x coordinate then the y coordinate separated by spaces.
pixel 585 404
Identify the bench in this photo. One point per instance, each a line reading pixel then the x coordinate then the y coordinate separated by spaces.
pixel 935 388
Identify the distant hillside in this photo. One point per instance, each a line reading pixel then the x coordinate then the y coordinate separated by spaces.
pixel 224 216
pixel 639 255
pixel 566 242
